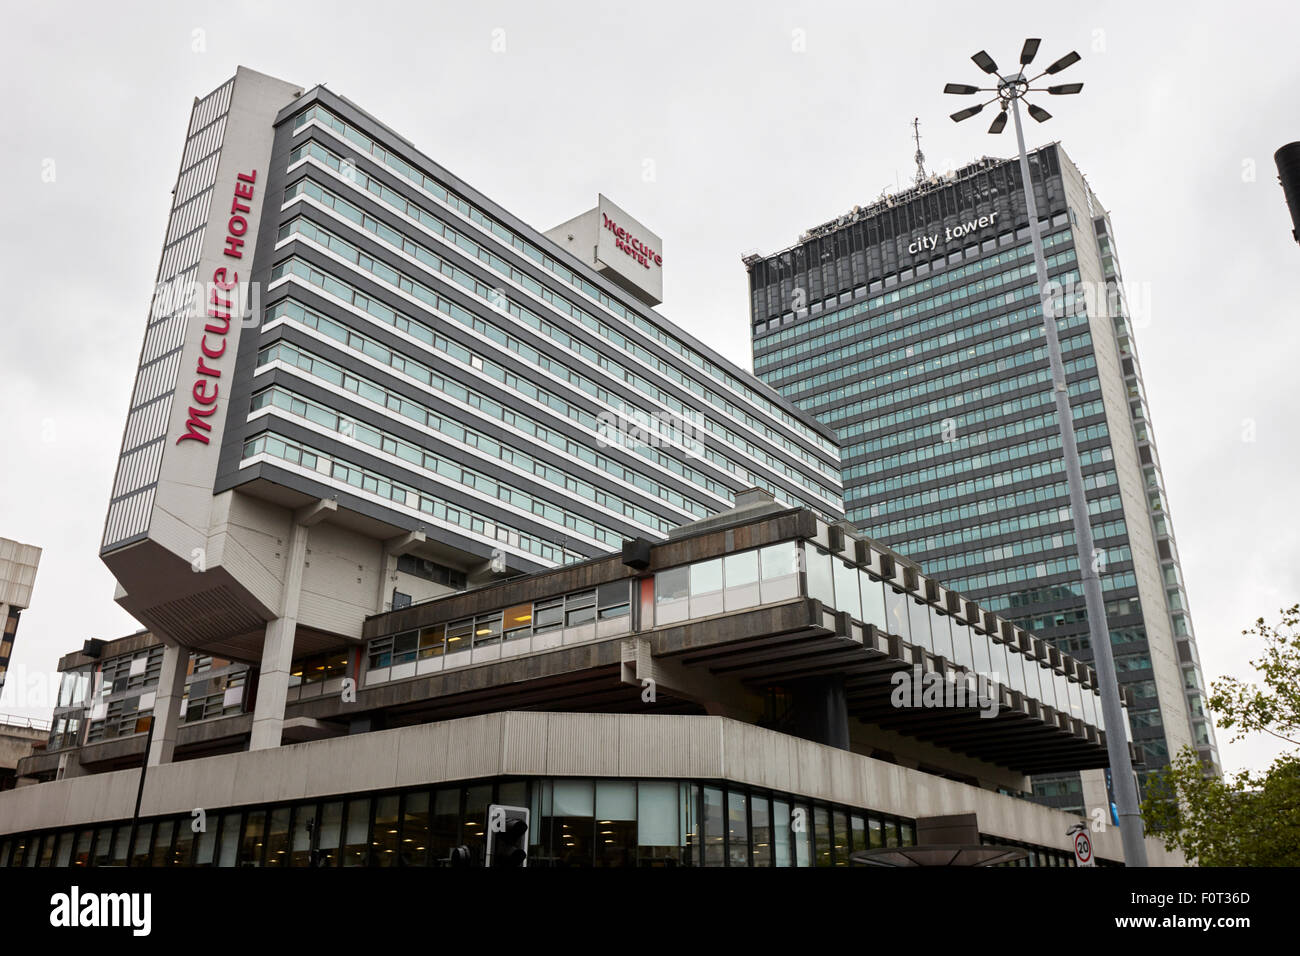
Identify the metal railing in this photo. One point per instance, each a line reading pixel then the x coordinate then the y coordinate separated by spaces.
pixel 32 723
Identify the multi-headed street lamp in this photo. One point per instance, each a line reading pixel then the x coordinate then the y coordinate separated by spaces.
pixel 1009 93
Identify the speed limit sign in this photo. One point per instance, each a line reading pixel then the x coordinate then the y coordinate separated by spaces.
pixel 1083 849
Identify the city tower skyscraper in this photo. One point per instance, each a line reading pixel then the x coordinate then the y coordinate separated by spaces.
pixel 913 327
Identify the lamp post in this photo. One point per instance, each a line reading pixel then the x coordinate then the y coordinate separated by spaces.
pixel 1009 92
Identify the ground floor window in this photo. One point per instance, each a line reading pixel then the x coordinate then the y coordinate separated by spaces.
pixel 574 822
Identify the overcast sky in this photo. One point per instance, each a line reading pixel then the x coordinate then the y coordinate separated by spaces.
pixel 724 128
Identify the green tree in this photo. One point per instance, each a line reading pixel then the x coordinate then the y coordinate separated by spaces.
pixel 1245 819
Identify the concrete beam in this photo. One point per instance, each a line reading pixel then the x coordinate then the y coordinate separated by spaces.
pixel 316 512
pixel 718 696
pixel 404 543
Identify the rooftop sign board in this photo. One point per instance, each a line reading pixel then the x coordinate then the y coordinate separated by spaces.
pixel 618 246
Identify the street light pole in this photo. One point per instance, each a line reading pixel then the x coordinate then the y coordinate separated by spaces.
pixel 1011 90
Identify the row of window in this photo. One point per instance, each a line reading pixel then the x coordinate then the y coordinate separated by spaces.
pixel 908 346
pixel 970 406
pixel 1112 581
pixel 452 390
pixel 1023 521
pixel 450 469
pixel 947 469
pixel 867 599
pixel 1018 548
pixel 1023 317
pixel 805 330
pixel 441 194
pixel 932 413
pixel 573 823
pixel 999 385
pixel 1016 501
pixel 426 256
pixel 349 296
pixel 1028 597
pixel 736 581
pixel 294 453
pixel 1000 479
pixel 960 442
pixel 714 586
pixel 496 300
pixel 857 343
pixel 606 602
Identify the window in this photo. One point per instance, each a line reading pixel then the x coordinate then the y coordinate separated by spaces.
pixel 487 630
pixel 741 569
pixel 580 608
pixel 780 565
pixel 672 591
pixel 548 615
pixel 405 647
pixel 706 588
pixel 387 838
pixel 873 600
pixel 740 573
pixel 848 595
pixel 251 845
pixel 460 635
pixel 706 577
pixel 517 621
pixel 571 822
pixel 737 829
pixel 616 826
pixel 896 615
pixel 658 837
pixel 613 600
pixel 919 617
pixel 820 582
pixel 781 833
pixel 413 847
pixel 356 842
pixel 821 825
pixel 432 641
pixel 713 835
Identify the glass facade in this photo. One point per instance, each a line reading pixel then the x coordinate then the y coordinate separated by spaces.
pixel 115 697
pixel 928 358
pixel 748 578
pixel 575 822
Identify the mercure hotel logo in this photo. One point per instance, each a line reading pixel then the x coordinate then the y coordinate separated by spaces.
pixel 220 302
pixel 625 242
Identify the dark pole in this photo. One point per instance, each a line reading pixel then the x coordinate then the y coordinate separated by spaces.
pixel 1011 90
pixel 139 793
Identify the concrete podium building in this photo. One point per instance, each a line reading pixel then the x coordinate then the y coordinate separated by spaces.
pixel 726 697
pixel 913 327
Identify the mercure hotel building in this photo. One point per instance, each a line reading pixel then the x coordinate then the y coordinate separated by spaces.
pixel 425 510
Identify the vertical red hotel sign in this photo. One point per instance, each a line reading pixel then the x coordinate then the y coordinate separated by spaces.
pixel 205 388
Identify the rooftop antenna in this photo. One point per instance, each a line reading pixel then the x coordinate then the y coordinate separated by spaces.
pixel 921 174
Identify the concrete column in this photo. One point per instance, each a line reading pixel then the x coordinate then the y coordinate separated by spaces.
pixel 819 711
pixel 167 704
pixel 389 552
pixel 277 649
